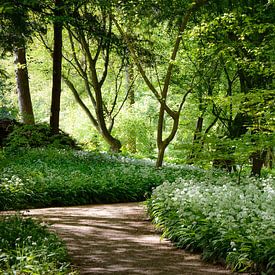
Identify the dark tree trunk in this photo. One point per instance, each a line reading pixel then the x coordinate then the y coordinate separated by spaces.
pixel 132 139
pixel 89 72
pixel 129 83
pixel 258 159
pixel 198 130
pixel 57 69
pixel 115 144
pixel 163 143
pixel 22 86
pixel 161 151
pixel 197 140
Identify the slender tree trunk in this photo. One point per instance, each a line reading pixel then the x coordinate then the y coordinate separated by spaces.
pixel 57 68
pixel 163 143
pixel 132 139
pixel 197 140
pixel 22 86
pixel 98 121
pixel 161 150
pixel 90 74
pixel 258 159
pixel 129 83
pixel 115 144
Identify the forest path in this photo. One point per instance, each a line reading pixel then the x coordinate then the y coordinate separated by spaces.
pixel 119 239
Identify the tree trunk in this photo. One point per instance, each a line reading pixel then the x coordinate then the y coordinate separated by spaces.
pixel 258 159
pixel 197 140
pixel 57 68
pixel 115 144
pixel 132 139
pixel 163 143
pixel 161 151
pixel 129 83
pixel 89 72
pixel 22 86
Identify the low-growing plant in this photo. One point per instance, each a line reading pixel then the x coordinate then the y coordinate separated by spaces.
pixel 51 177
pixel 27 247
pixel 227 222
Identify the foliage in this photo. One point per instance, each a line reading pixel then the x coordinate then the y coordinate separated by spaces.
pixel 6 108
pixel 18 22
pixel 226 57
pixel 27 247
pixel 137 135
pixel 51 177
pixel 227 222
pixel 39 135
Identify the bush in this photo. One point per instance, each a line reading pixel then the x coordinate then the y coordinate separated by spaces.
pixel 38 135
pixel 228 223
pixel 27 247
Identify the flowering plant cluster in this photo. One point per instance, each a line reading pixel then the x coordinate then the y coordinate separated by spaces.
pixel 50 177
pixel 27 247
pixel 227 222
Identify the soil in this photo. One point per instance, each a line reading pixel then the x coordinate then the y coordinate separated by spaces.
pixel 119 239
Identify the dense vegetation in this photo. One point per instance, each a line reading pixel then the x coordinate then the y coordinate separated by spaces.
pixel 27 247
pixel 188 82
pixel 51 177
pixel 228 222
pixel 131 83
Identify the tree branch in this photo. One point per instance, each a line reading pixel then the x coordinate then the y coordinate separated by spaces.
pixel 80 101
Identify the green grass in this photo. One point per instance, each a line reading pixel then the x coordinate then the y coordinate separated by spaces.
pixel 27 247
pixel 229 223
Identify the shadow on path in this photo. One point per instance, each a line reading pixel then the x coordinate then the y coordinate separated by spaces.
pixel 118 239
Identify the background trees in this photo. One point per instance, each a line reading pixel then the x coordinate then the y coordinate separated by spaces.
pixel 214 59
pixel 240 39
pixel 16 30
pixel 161 90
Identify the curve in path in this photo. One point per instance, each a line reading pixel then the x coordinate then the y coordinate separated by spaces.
pixel 119 239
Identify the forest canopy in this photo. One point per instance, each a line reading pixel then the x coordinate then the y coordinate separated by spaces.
pixel 185 81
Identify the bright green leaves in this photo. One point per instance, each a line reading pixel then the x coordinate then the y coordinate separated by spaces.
pixel 224 220
pixel 27 247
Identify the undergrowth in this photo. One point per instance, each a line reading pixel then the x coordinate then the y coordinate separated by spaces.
pixel 229 223
pixel 50 177
pixel 27 247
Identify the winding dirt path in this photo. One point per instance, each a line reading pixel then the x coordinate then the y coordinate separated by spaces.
pixel 119 239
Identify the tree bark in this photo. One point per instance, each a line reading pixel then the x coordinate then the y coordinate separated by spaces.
pixel 89 72
pixel 57 69
pixel 197 140
pixel 129 70
pixel 132 138
pixel 258 159
pixel 22 86
pixel 161 151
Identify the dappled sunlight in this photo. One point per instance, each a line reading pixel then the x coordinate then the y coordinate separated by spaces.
pixel 119 239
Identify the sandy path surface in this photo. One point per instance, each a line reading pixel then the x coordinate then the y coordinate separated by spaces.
pixel 119 239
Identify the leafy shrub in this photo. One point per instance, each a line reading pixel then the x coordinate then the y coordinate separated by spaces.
pixel 27 247
pixel 38 135
pixel 51 177
pixel 227 222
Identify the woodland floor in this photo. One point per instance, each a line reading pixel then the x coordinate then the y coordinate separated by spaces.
pixel 119 239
